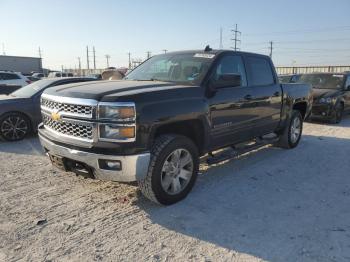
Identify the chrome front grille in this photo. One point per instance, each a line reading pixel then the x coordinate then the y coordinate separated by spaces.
pixel 67 108
pixel 74 129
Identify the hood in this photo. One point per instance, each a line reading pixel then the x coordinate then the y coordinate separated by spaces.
pixel 324 93
pixel 109 89
pixel 5 99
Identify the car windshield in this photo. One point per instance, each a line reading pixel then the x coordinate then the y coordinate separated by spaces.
pixel 31 89
pixel 284 79
pixel 323 81
pixel 185 68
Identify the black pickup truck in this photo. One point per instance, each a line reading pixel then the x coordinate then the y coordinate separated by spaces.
pixel 153 126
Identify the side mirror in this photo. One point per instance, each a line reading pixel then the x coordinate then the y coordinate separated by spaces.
pixel 226 80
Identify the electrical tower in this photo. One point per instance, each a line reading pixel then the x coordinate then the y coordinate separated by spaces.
pixel 107 58
pixel 149 54
pixel 129 54
pixel 236 39
pixel 221 46
pixel 3 49
pixel 40 52
pixel 271 48
pixel 165 50
pixel 79 63
pixel 94 54
pixel 87 58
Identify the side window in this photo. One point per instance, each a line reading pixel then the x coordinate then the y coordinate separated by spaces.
pixel 1 76
pixel 260 71
pixel 231 64
pixel 7 76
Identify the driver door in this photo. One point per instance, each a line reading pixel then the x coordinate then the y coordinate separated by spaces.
pixel 230 114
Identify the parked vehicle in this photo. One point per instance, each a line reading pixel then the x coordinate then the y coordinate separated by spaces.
pixel 331 94
pixel 33 79
pixel 11 81
pixel 20 111
pixel 169 111
pixel 59 74
pixel 38 75
pixel 294 78
pixel 95 76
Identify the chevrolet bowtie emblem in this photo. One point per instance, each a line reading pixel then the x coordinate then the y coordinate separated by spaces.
pixel 55 116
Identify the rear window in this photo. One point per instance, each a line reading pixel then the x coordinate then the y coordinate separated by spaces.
pixel 261 72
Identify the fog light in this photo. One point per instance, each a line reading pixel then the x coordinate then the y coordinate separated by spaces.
pixel 115 165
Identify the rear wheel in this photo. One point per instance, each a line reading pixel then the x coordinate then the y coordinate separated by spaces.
pixel 172 171
pixel 292 133
pixel 14 127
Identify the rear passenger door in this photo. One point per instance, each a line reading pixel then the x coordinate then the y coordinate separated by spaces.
pixel 266 98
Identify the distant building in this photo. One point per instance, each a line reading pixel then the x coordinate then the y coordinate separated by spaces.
pixel 21 64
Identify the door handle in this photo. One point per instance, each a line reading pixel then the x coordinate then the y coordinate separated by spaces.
pixel 276 94
pixel 248 97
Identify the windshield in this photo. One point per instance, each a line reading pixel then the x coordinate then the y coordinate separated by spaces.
pixel 189 68
pixel 284 79
pixel 31 89
pixel 323 81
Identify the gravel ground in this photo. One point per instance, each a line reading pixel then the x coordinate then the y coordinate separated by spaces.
pixel 271 204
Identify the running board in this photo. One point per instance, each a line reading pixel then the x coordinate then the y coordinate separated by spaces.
pixel 240 149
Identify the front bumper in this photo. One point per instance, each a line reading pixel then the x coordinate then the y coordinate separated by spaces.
pixel 133 167
pixel 322 111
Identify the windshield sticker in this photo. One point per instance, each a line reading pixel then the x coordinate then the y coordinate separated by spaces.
pixel 210 56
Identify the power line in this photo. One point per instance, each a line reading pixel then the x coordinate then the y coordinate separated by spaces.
pixel 235 39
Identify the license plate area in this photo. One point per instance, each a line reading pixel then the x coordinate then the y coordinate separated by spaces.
pixel 58 162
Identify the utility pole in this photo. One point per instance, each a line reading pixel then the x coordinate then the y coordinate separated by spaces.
pixel 93 51
pixel 148 54
pixel 61 70
pixel 236 39
pixel 107 58
pixel 3 49
pixel 79 63
pixel 129 54
pixel 220 47
pixel 40 52
pixel 165 50
pixel 87 57
pixel 271 48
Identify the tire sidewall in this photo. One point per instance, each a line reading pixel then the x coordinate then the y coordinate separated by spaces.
pixel 177 143
pixel 295 114
pixel 7 115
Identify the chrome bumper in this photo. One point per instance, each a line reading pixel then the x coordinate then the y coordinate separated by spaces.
pixel 133 167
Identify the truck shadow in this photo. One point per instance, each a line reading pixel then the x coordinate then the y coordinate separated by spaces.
pixel 274 204
pixel 28 146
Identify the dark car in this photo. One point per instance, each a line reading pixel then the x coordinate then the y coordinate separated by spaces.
pixel 294 78
pixel 153 126
pixel 331 94
pixel 20 111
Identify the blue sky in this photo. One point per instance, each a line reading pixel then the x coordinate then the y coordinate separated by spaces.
pixel 304 32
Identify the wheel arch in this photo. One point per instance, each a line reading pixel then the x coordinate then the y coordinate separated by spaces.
pixel 29 119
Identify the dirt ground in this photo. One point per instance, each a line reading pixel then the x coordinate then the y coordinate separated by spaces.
pixel 269 205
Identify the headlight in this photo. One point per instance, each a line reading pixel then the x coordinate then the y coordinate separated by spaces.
pixel 327 100
pixel 116 132
pixel 117 111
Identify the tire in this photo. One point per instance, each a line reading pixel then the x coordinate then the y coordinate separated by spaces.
pixel 14 127
pixel 338 114
pixel 287 138
pixel 156 185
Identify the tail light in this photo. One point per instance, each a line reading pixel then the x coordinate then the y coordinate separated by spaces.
pixel 28 81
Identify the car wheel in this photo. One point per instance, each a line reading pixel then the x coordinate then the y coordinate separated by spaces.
pixel 14 127
pixel 172 171
pixel 338 114
pixel 292 133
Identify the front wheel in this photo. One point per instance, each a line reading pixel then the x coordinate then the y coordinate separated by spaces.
pixel 292 133
pixel 14 127
pixel 172 171
pixel 338 114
